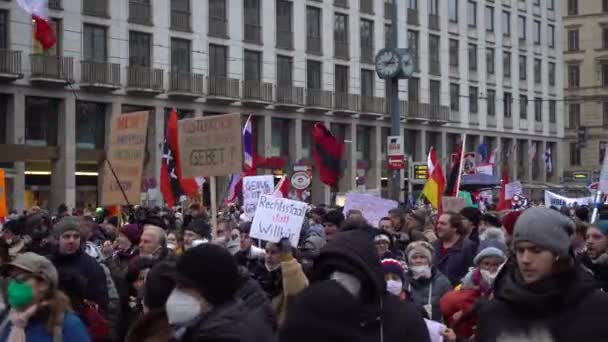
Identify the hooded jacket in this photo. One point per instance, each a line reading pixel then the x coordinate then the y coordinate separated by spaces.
pixel 420 289
pixel 382 316
pixel 561 308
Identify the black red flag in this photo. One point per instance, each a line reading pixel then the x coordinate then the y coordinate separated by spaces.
pixel 327 152
pixel 450 189
pixel 172 185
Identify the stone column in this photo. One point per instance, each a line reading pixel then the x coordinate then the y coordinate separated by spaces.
pixel 267 152
pixel 63 169
pixel 541 160
pixel 423 149
pixel 514 153
pixel 529 162
pixel 16 135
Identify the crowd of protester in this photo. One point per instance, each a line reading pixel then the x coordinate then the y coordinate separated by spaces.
pixel 153 274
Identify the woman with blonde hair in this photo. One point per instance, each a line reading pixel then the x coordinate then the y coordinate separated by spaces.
pixel 39 311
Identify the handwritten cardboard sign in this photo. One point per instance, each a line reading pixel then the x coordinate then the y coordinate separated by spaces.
pixel 126 153
pixel 210 146
pixel 453 204
pixel 276 218
pixel 512 189
pixel 253 188
pixel 373 208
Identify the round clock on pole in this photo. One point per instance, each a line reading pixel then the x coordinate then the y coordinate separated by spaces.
pixel 388 63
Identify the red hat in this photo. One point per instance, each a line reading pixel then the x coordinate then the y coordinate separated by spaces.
pixel 132 232
pixel 508 222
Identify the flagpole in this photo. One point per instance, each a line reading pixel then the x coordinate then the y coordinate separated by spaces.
pixel 596 206
pixel 213 189
pixel 461 166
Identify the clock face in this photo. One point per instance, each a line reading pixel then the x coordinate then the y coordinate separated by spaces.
pixel 407 64
pixel 387 63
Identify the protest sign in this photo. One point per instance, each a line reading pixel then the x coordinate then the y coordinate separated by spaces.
pixel 453 204
pixel 373 208
pixel 210 146
pixel 512 189
pixel 485 169
pixel 276 218
pixel 558 201
pixel 253 187
pixel 126 153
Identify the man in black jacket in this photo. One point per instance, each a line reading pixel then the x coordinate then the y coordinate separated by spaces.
pixel 71 258
pixel 350 259
pixel 541 294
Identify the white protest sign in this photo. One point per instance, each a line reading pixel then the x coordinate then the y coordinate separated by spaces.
pixel 373 208
pixel 487 169
pixel 253 187
pixel 553 199
pixel 512 189
pixel 276 218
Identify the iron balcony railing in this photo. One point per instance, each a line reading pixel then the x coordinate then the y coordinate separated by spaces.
pixel 223 87
pixel 10 62
pixel 372 104
pixel 318 98
pixel 424 111
pixel 100 73
pixel 257 91
pixel 52 67
pixel 186 82
pixel 313 45
pixel 140 12
pixel 96 8
pixel 253 33
pixel 218 27
pixel 180 20
pixel 347 102
pixel 145 78
pixel 287 95
pixel 285 39
pixel 341 50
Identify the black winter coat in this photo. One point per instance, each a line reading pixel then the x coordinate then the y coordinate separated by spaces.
pixel 563 308
pixel 456 262
pixel 383 317
pixel 599 267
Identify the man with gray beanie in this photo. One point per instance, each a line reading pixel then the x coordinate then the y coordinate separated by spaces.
pixel 542 293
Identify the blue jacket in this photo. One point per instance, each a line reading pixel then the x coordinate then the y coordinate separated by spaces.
pixel 456 262
pixel 73 330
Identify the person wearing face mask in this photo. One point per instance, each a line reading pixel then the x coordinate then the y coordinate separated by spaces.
pixel 351 259
pixel 203 305
pixel 196 233
pixel 12 235
pixel 425 283
pixel 541 290
pixel 459 307
pixel 39 310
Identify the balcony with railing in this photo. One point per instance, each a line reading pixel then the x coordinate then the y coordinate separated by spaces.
pixel 318 100
pixel 314 45
pixel 140 12
pixel 341 3
pixel 341 50
pixel 367 54
pixel 185 85
pixel 257 93
pixel 434 22
pixel 55 4
pixel 253 34
pixel 218 27
pixel 180 21
pixel 222 89
pixel 366 6
pixel 413 17
pixel 10 65
pixel 373 105
pixel 388 10
pixel 51 70
pixel 99 76
pixel 285 40
pixel 95 8
pixel 289 97
pixel 426 112
pixel 145 81
pixel 345 103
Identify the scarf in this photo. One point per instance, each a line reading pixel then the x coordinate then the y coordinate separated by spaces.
pixel 19 320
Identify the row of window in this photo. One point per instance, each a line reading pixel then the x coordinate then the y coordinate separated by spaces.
pixel 574 74
pixel 574 39
pixel 473 98
pixel 573 6
pixel 576 153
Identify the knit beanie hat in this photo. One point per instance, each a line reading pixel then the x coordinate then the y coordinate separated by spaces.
pixel 489 248
pixel 602 226
pixel 211 270
pixel 310 318
pixel 420 247
pixel 133 232
pixel 392 266
pixel 200 227
pixel 546 228
pixel 334 217
pixel 68 223
pixel 471 214
pixel 420 216
pixel 508 222
pixel 160 282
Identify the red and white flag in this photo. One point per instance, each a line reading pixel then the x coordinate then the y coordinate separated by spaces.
pixel 282 189
pixel 39 10
pixel 431 161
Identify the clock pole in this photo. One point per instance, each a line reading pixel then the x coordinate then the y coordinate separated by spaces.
pixel 392 85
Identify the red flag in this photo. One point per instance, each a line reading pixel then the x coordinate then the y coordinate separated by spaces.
pixel 450 189
pixel 503 203
pixel 45 34
pixel 327 152
pixel 282 189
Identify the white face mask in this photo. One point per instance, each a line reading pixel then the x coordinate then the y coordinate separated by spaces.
pixel 350 282
pixel 182 307
pixel 423 271
pixel 488 277
pixel 394 286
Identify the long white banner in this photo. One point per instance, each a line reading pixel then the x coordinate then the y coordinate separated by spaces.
pixel 553 199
